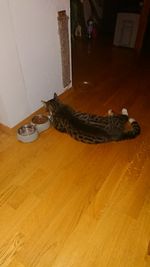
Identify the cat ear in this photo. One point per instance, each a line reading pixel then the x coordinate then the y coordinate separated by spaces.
pixel 55 96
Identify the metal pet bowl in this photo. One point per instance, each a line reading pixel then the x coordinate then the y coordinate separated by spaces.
pixel 41 122
pixel 27 133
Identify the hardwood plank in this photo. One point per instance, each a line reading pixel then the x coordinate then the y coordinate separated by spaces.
pixel 65 203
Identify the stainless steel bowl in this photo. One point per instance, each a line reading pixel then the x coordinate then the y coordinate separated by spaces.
pixel 27 133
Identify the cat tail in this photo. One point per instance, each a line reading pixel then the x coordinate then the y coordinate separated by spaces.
pixel 135 131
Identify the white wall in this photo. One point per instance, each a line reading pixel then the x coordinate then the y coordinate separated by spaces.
pixel 31 60
pixel 13 97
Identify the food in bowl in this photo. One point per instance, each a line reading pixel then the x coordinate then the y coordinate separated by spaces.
pixel 41 122
pixel 39 119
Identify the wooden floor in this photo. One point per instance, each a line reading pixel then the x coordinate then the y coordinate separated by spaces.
pixel 67 204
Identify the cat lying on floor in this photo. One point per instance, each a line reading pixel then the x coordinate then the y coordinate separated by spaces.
pixel 89 128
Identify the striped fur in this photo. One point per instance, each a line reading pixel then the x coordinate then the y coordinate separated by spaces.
pixel 89 128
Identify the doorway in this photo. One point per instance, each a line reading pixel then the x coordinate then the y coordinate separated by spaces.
pixel 89 31
pixel 146 41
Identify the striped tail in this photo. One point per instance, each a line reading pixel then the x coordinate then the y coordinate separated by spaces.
pixel 135 131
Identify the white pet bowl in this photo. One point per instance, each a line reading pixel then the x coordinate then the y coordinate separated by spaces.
pixel 41 122
pixel 27 133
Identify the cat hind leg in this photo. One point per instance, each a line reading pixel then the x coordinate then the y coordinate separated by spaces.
pixel 124 111
pixel 110 112
pixel 131 120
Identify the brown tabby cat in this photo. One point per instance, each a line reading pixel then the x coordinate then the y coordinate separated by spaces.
pixel 90 128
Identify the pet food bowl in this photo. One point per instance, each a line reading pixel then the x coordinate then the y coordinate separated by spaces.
pixel 85 85
pixel 41 122
pixel 27 133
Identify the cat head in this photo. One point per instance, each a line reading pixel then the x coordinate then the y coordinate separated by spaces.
pixel 52 105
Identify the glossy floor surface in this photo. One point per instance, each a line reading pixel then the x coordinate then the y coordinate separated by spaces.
pixel 68 204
